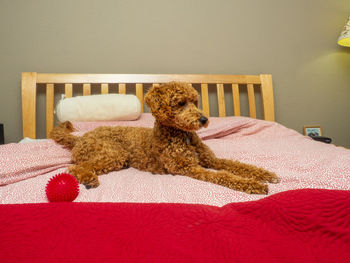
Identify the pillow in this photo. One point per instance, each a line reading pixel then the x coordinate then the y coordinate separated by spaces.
pixel 107 107
pixel 145 120
pixel 30 140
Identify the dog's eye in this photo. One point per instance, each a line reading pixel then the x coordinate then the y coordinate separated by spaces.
pixel 182 103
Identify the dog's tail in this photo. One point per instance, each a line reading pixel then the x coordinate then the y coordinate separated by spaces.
pixel 62 135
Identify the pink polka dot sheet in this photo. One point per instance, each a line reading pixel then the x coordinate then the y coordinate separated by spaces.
pixel 299 162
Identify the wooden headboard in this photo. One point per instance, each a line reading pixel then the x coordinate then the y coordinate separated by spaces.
pixel 31 79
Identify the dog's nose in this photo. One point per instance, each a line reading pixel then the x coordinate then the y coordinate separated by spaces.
pixel 203 120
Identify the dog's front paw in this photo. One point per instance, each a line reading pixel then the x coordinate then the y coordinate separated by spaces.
pixel 256 188
pixel 249 186
pixel 93 183
pixel 265 176
pixel 85 177
pixel 269 176
pixel 273 178
pixel 89 181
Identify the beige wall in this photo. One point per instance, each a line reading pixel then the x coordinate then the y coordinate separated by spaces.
pixel 293 40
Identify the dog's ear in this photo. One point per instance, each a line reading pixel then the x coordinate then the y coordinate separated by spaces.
pixel 151 97
pixel 158 102
pixel 154 98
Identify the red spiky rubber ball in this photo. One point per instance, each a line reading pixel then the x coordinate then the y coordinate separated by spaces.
pixel 62 188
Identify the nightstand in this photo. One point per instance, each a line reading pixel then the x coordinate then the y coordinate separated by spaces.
pixel 2 137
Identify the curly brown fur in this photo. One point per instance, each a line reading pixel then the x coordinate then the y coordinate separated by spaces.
pixel 172 146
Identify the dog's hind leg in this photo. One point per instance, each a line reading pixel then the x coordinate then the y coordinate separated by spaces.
pixel 110 157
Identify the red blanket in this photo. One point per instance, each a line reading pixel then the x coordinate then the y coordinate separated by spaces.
pixel 293 226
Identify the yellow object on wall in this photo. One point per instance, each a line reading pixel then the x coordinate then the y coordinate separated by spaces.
pixel 344 38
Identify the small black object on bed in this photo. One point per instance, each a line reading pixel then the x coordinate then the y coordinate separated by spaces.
pixel 322 139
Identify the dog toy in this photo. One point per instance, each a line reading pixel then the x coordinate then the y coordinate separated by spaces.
pixel 62 188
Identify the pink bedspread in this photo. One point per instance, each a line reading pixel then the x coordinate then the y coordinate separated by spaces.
pixel 294 226
pixel 299 161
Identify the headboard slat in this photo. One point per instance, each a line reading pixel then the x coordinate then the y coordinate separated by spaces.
pixel 121 88
pixel 68 90
pixel 139 94
pixel 205 99
pixel 86 89
pixel 104 88
pixel 221 100
pixel 235 98
pixel 251 99
pixel 49 108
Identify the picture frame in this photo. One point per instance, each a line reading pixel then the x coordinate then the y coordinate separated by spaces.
pixel 313 130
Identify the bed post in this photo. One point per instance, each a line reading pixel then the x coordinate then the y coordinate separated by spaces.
pixel 267 97
pixel 29 104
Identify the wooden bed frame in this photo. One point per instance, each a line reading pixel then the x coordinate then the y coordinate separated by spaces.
pixel 31 79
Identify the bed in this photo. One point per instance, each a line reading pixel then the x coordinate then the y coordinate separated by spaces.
pixel 135 216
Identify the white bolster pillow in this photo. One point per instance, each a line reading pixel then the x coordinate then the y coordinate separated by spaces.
pixel 107 107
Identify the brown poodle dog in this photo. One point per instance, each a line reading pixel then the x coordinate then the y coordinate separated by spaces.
pixel 172 146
